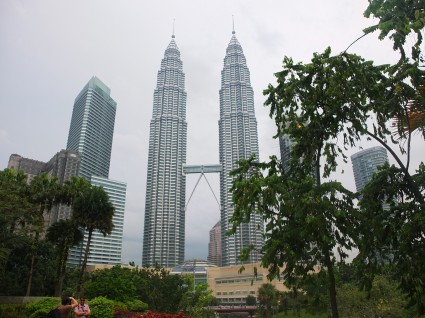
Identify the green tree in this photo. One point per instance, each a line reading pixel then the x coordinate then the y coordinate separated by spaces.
pixel 45 192
pixel 326 107
pixel 196 299
pixel 251 300
pixel 16 213
pixel 93 211
pixel 154 286
pixel 268 297
pixel 60 234
pixel 116 284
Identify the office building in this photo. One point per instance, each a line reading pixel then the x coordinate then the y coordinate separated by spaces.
pixel 63 165
pixel 29 166
pixel 91 133
pixel 238 139
pixel 92 128
pixel 214 245
pixel 231 287
pixel 285 144
pixel 105 249
pixel 365 164
pixel 164 228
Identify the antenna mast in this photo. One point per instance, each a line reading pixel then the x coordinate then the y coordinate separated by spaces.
pixel 173 36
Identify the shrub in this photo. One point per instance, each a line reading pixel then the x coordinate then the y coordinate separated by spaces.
pixel 122 313
pixel 13 311
pixel 101 307
pixel 136 305
pixel 150 314
pixel 120 305
pixel 40 308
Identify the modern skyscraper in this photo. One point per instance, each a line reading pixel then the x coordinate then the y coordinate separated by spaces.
pixel 285 144
pixel 105 249
pixel 214 245
pixel 365 164
pixel 91 133
pixel 92 128
pixel 164 229
pixel 238 138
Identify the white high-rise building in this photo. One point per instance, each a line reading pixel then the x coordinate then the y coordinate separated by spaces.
pixel 238 138
pixel 164 228
pixel 365 164
pixel 105 249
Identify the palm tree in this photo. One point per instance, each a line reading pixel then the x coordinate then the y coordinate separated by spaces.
pixel 93 211
pixel 73 188
pixel 45 192
pixel 64 234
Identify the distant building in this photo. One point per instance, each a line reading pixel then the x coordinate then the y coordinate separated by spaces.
pixel 365 164
pixel 64 165
pixel 30 167
pixel 238 139
pixel 286 145
pixel 92 128
pixel 105 249
pixel 231 286
pixel 196 268
pixel 164 227
pixel 214 245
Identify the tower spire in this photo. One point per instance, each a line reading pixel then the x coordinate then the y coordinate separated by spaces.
pixel 233 21
pixel 173 36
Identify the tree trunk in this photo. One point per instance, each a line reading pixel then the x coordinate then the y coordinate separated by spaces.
pixel 33 253
pixel 332 288
pixel 27 294
pixel 86 255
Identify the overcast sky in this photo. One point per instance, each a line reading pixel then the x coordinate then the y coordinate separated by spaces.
pixel 49 49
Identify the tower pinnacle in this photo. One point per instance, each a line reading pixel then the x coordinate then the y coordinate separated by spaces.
pixel 173 36
pixel 233 20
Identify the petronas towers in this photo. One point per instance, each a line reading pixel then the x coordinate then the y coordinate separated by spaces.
pixel 164 228
pixel 163 238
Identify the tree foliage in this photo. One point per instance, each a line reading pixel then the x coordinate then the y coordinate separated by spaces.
pixel 326 107
pixel 93 211
pixel 268 297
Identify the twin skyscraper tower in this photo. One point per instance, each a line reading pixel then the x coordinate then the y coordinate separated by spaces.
pixel 164 227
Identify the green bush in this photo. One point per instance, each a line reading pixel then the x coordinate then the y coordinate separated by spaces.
pixel 120 305
pixel 101 307
pixel 136 305
pixel 40 308
pixel 13 311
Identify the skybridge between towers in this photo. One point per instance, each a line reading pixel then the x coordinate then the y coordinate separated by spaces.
pixel 202 170
pixel 187 169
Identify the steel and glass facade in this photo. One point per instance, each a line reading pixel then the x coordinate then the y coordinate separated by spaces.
pixel 91 134
pixel 365 164
pixel 105 249
pixel 238 138
pixel 164 227
pixel 92 128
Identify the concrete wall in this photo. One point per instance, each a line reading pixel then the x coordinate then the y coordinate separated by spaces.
pixel 19 299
